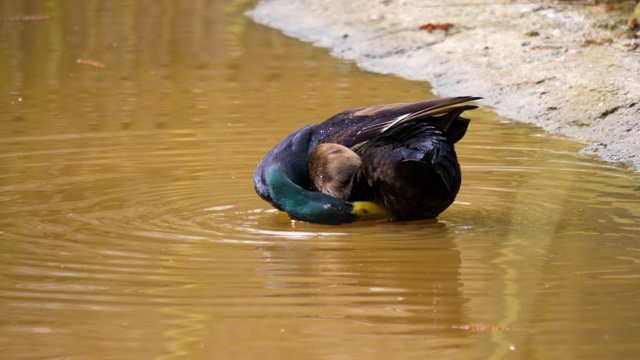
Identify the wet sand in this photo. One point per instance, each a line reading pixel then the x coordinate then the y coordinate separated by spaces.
pixel 573 70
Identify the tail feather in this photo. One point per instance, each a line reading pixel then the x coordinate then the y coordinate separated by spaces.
pixel 452 124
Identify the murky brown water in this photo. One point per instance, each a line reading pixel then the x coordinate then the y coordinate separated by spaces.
pixel 129 228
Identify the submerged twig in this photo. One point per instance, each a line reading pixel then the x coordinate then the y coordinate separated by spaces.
pixel 27 17
pixel 91 63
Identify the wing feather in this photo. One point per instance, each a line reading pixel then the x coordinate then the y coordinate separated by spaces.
pixel 382 118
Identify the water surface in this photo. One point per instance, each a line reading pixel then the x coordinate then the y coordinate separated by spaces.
pixel 129 228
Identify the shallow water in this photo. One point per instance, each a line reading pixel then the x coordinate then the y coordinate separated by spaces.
pixel 129 228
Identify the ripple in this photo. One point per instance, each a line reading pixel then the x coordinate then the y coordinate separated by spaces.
pixel 166 224
pixel 178 186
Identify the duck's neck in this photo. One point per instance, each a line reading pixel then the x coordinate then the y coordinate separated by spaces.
pixel 282 177
pixel 302 204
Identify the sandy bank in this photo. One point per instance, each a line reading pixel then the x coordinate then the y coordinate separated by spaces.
pixel 572 70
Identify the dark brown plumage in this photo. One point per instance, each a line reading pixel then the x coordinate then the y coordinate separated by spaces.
pixel 400 156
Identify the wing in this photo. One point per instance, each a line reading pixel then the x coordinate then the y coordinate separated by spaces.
pixel 355 126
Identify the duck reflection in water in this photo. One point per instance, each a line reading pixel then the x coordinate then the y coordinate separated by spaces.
pixel 393 162
pixel 361 284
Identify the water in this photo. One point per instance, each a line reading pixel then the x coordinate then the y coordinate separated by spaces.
pixel 129 228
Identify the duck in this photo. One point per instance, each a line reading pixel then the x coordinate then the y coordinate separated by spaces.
pixel 385 162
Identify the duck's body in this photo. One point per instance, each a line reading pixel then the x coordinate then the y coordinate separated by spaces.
pixel 399 156
pixel 412 169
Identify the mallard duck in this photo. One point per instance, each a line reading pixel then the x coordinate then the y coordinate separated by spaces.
pixel 394 162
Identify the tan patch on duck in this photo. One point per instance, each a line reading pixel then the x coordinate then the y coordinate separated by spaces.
pixel 372 110
pixel 332 168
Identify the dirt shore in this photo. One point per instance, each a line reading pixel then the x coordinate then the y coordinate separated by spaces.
pixel 570 69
